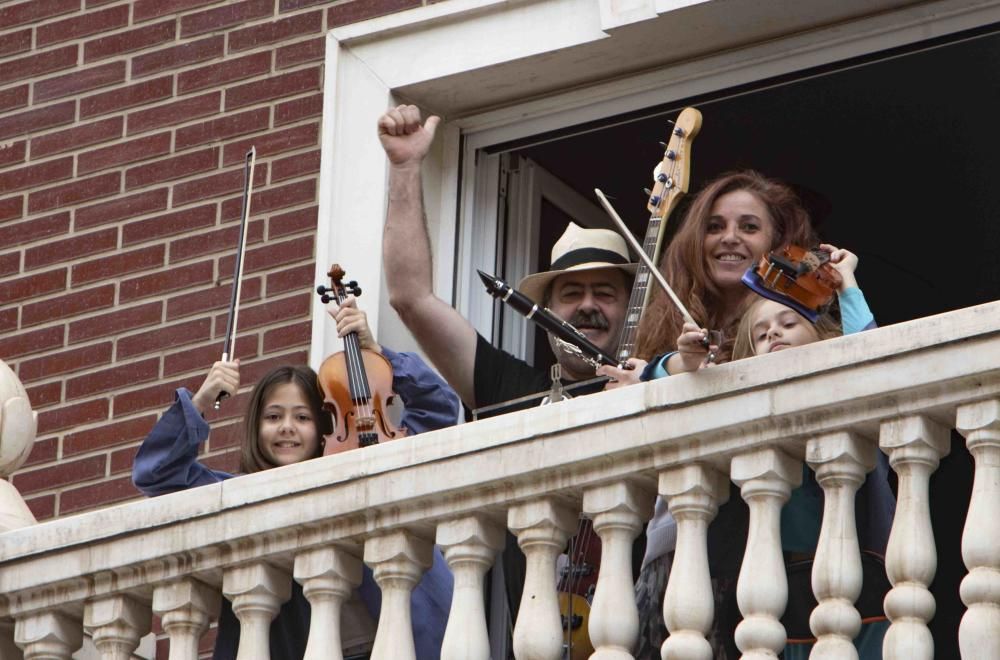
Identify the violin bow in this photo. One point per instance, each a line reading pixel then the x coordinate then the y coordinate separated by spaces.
pixel 634 244
pixel 229 346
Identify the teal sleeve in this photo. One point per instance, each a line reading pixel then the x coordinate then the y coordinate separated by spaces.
pixel 854 312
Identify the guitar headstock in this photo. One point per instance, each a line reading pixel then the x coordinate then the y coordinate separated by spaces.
pixel 671 176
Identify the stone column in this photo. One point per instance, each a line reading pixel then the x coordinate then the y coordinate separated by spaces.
pixel 48 635
pixel 978 634
pixel 915 445
pixel 116 623
pixel 185 608
pixel 398 560
pixel 328 577
pixel 841 461
pixel 766 478
pixel 257 591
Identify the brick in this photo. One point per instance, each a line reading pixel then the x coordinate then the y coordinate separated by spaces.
pixel 72 139
pixel 156 397
pixel 43 451
pixel 67 472
pixel 182 277
pixel 115 323
pixel 33 66
pixel 174 113
pixel 34 11
pixel 143 93
pixel 298 334
pixel 359 10
pixel 216 75
pixel 77 302
pixel 12 207
pixel 78 191
pixel 89 23
pixel 65 362
pixel 224 127
pixel 288 84
pixel 122 207
pixel 124 459
pixel 73 84
pixel 8 319
pixel 68 417
pixel 283 310
pixel 36 175
pixel 145 9
pixel 292 223
pixel 225 436
pixel 34 229
pixel 251 373
pixel 127 42
pixel 279 31
pixel 313 50
pixel 13 43
pixel 10 263
pixel 271 144
pixel 118 265
pixel 108 435
pixel 291 279
pixel 121 154
pixel 33 285
pixel 213 242
pixel 232 410
pixel 213 299
pixel 113 379
pixel 43 507
pixel 168 169
pixel 217 185
pixel 272 199
pixel 14 98
pixel 200 359
pixel 295 166
pixel 162 338
pixel 35 121
pixel 298 109
pixel 80 245
pixel 13 153
pixel 101 494
pixel 174 57
pixel 224 17
pixel 177 222
pixel 26 343
pixel 225 462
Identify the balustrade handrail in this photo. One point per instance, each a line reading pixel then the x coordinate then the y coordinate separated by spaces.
pixel 927 366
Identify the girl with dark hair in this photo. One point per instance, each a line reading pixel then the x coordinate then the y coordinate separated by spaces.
pixel 285 423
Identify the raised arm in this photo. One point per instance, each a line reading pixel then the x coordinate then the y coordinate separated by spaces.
pixel 447 338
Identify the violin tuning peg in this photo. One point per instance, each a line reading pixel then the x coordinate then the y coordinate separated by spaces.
pixel 321 289
pixel 353 284
pixel 325 298
pixel 356 291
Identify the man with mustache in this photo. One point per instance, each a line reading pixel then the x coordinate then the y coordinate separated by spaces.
pixel 588 284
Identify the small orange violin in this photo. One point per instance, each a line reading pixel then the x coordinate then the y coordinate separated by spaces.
pixel 805 280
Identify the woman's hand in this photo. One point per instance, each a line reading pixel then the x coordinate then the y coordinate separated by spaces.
pixel 845 262
pixel 222 377
pixel 351 319
pixel 622 377
pixel 691 352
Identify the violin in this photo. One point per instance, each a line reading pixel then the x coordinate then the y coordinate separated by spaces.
pixel 802 279
pixel 356 384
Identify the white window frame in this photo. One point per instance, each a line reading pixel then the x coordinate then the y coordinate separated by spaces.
pixel 420 56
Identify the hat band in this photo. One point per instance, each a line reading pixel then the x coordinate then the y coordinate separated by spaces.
pixel 586 256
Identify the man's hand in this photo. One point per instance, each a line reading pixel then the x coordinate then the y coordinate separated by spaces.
pixel 405 140
pixel 222 377
pixel 351 319
pixel 622 377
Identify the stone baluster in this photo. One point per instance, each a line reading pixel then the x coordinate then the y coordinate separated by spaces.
pixel 116 623
pixel 977 634
pixel 841 461
pixel 328 577
pixel 185 608
pixel 470 545
pixel 618 511
pixel 542 528
pixel 8 649
pixel 48 635
pixel 398 559
pixel 915 445
pixel 766 478
pixel 693 494
pixel 257 591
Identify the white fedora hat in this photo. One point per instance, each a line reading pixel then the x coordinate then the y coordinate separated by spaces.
pixel 580 249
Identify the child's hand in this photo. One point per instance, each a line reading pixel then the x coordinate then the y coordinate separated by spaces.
pixel 691 349
pixel 351 319
pixel 846 262
pixel 222 377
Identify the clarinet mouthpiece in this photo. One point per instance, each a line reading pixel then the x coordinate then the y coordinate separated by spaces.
pixel 490 282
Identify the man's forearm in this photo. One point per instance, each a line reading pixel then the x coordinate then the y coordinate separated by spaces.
pixel 406 249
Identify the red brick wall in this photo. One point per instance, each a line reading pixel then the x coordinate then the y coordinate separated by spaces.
pixel 123 127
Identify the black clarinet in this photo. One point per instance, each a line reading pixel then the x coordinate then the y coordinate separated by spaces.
pixel 546 319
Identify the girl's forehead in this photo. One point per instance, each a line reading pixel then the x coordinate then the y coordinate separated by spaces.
pixel 286 394
pixel 769 309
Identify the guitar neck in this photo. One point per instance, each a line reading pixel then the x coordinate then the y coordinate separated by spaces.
pixel 640 290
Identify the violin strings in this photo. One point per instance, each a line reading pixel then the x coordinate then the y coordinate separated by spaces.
pixel 355 365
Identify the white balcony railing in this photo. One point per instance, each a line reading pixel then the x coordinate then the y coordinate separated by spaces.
pixel 900 388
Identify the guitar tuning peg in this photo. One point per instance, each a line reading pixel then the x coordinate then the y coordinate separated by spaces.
pixel 647 191
pixel 663 144
pixel 670 121
pixel 671 154
pixel 661 177
pixel 679 132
